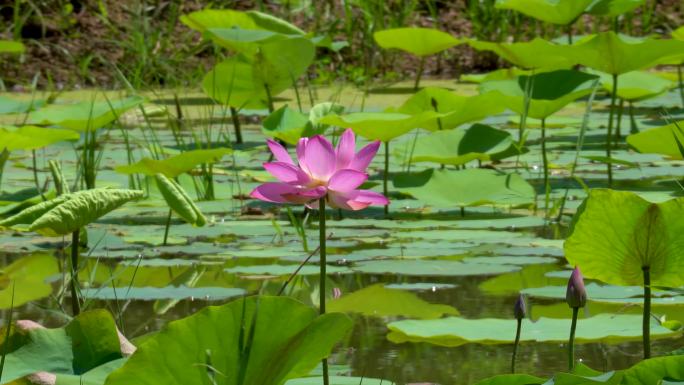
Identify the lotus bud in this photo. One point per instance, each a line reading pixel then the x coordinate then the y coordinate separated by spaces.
pixel 576 295
pixel 520 309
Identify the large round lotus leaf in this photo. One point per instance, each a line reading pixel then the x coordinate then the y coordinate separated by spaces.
pixel 244 41
pixel 431 268
pixel 549 91
pixel 613 8
pixel 162 293
pixel 279 63
pixel 615 54
pixel 233 83
pixel 256 340
pixel 454 110
pixel 459 146
pixel 663 140
pixel 379 301
pixel 84 116
pixel 176 165
pixel 418 41
pixel 13 106
pixel 88 341
pixel 68 213
pixel 616 233
pixel 228 18
pixel 284 270
pixel 32 137
pixel 454 331
pixel 637 85
pixel 469 187
pixel 287 125
pixel 653 370
pixel 383 126
pixel 9 46
pixel 538 53
pixel 550 11
pixel 28 275
pixel 600 293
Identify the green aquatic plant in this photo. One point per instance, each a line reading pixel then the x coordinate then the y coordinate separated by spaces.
pixel 179 202
pixel 613 8
pixel 667 140
pixel 563 12
pixel 421 42
pixel 622 239
pixel 87 118
pixel 289 125
pixel 11 47
pixel 243 342
pixel 67 214
pixel 534 54
pixel 576 298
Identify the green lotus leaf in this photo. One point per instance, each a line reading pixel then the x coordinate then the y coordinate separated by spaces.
pixel 228 18
pixel 175 165
pixel 244 41
pixel 626 55
pixel 84 116
pixel 459 146
pixel 500 74
pixel 550 91
pixel 28 275
pixel 678 33
pixel 32 137
pixel 432 268
pixel 383 126
pixel 9 46
pixel 550 11
pixel 512 379
pixel 454 110
pixel 76 210
pixel 13 106
pixel 243 342
pixel 233 83
pixel 653 370
pixel 286 124
pixel 663 140
pixel 179 201
pixel 637 85
pixel 95 376
pixel 280 62
pixel 613 8
pixel 32 213
pixel 378 301
pixel 454 331
pixel 615 234
pixel 417 41
pixel 538 53
pixel 88 341
pixel 469 187
pixel 338 380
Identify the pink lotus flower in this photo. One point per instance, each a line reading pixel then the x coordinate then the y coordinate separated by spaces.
pixel 323 171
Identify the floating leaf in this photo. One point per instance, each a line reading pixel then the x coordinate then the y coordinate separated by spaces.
pixel 660 140
pixel 615 234
pixel 454 331
pixel 214 337
pixel 469 187
pixel 179 201
pixel 175 165
pixel 432 268
pixel 161 293
pixel 417 41
pixel 84 116
pixel 88 341
pixel 459 146
pixel 32 137
pixel 383 126
pixel 379 301
pixel 13 106
pixel 512 379
pixel 550 91
pixel 550 11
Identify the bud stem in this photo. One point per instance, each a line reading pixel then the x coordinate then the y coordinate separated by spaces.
pixel 322 262
pixel 571 342
pixel 515 346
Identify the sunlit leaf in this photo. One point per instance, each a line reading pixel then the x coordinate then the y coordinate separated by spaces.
pixel 537 53
pixel 383 126
pixel 637 85
pixel 179 201
pixel 32 137
pixel 550 11
pixel 9 46
pixel 659 140
pixel 418 41
pixel 84 116
pixel 175 165
pixel 613 8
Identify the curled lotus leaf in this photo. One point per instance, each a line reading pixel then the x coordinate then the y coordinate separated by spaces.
pixel 179 201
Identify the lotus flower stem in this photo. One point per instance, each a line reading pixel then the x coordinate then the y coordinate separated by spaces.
pixel 569 26
pixel 647 312
pixel 419 74
pixel 545 164
pixel 609 134
pixel 385 176
pixel 681 83
pixel 515 345
pixel 35 175
pixel 520 311
pixel 634 129
pixel 618 124
pixel 236 125
pixel 166 228
pixel 269 98
pixel 75 304
pixel 322 262
pixel 571 340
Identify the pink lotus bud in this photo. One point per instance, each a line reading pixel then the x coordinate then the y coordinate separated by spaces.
pixel 576 296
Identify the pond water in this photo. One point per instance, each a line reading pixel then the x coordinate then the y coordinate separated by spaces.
pixel 475 261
